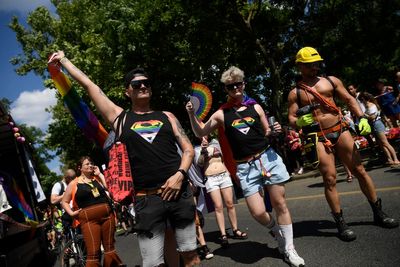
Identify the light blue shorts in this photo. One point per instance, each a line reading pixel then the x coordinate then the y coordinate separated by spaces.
pixel 378 126
pixel 251 179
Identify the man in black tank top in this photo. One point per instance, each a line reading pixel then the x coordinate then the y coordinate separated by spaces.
pixel 243 128
pixel 321 90
pixel 162 192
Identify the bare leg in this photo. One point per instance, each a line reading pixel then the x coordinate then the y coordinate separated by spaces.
pixel 219 210
pixel 347 152
pixel 328 172
pixel 227 195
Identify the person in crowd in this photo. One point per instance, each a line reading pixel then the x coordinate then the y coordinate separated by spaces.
pixel 243 128
pixel 293 142
pixel 353 91
pixel 57 193
pixel 91 206
pixel 312 108
pixel 161 187
pixel 58 189
pixel 219 186
pixel 372 113
pixel 388 100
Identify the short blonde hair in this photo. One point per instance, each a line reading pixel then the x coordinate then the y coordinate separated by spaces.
pixel 233 74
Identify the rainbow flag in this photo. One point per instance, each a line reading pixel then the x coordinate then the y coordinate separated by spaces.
pixel 84 117
pixel 15 195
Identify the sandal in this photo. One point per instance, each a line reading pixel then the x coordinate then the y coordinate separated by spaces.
pixel 224 241
pixel 237 234
pixel 349 178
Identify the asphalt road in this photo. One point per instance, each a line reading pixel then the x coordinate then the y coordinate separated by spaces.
pixel 314 230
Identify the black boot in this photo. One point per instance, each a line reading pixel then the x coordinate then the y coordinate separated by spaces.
pixel 381 218
pixel 345 233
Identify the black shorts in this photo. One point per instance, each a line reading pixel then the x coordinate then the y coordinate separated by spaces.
pixel 152 210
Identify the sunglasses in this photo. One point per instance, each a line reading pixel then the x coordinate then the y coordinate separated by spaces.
pixel 312 65
pixel 137 84
pixel 233 86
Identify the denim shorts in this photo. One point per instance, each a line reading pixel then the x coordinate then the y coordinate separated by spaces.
pixel 251 178
pixel 378 126
pixel 218 181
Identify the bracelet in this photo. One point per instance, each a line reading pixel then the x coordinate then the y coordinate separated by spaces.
pixel 185 175
pixel 63 59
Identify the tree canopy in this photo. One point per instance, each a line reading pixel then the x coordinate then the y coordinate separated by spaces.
pixel 183 41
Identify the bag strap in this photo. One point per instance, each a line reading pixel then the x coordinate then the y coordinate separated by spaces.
pixel 120 125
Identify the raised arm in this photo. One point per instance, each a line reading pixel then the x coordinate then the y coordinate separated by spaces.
pixel 200 128
pixel 104 105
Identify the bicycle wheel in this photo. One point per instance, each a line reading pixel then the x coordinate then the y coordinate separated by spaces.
pixel 73 254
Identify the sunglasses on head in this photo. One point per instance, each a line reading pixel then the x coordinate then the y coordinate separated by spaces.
pixel 233 86
pixel 137 84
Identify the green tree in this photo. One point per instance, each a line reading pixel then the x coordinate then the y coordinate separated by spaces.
pixel 183 41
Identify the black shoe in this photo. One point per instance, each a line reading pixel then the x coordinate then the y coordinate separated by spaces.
pixel 345 233
pixel 381 218
pixel 224 241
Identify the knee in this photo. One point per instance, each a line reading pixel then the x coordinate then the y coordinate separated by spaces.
pixel 330 181
pixel 229 205
pixel 280 206
pixel 219 208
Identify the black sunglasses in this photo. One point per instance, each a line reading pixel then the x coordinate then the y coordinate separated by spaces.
pixel 233 86
pixel 137 84
pixel 313 64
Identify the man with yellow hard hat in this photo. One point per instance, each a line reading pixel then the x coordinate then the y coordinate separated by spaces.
pixel 313 109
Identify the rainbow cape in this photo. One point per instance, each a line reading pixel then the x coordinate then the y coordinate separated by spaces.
pixel 84 117
pixel 202 99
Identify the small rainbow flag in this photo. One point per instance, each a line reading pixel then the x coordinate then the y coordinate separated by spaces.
pixel 201 99
pixel 84 117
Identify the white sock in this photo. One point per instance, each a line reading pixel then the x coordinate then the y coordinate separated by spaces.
pixel 287 233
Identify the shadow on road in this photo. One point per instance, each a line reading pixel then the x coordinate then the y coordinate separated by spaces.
pixel 314 228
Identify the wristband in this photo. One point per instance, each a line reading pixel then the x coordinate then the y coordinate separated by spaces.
pixel 185 175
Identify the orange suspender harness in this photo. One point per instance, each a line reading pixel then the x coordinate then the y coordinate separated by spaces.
pixel 326 104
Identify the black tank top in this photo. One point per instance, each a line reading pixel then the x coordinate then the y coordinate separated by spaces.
pixel 152 150
pixel 84 196
pixel 245 141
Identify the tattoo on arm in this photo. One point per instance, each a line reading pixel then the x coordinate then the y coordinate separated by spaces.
pixel 182 135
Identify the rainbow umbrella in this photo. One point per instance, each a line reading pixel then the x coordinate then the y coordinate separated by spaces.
pixel 84 117
pixel 201 99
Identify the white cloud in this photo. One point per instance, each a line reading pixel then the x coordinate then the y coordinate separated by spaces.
pixel 23 6
pixel 29 108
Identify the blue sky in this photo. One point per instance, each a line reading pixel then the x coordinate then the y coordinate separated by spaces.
pixel 28 94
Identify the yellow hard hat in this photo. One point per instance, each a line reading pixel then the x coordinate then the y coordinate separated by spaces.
pixel 307 55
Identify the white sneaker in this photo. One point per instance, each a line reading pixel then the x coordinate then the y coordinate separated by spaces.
pixel 291 257
pixel 300 171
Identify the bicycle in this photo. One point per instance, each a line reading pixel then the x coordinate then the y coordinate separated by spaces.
pixel 73 250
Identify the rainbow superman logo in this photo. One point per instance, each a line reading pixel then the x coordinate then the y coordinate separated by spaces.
pixel 148 130
pixel 241 126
